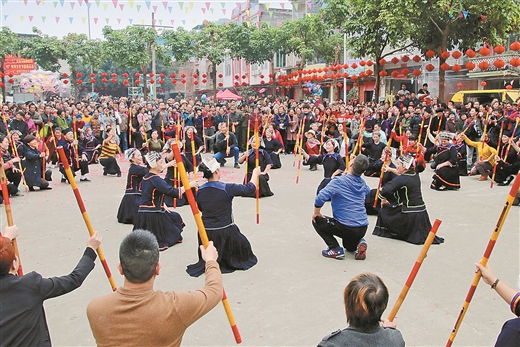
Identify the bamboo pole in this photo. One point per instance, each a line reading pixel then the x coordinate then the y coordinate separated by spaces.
pixel 257 164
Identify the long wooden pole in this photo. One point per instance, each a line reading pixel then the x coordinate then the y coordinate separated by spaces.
pixel 8 212
pixel 83 210
pixel 247 147
pixel 300 145
pixel 257 164
pixel 297 143
pixel 498 152
pixel 485 257
pixel 415 269
pixel 202 233
pixel 388 146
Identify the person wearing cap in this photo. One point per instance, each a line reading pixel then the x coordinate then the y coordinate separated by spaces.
pixel 403 214
pixel 215 201
pixel 130 203
pixel 109 150
pixel 446 176
pixel 166 225
pixel 333 163
pixel 19 124
pixel 349 219
pixel 32 164
pixel 69 147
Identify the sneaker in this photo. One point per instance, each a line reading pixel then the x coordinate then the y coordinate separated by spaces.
pixel 336 253
pixel 63 180
pixel 222 164
pixel 361 251
pixel 237 166
pixel 85 179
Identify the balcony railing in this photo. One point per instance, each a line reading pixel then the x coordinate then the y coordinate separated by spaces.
pixel 490 59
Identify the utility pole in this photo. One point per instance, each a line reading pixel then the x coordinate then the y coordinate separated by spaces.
pixel 154 86
pixel 344 62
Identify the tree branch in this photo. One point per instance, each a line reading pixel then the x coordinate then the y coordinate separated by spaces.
pixel 398 50
pixel 434 23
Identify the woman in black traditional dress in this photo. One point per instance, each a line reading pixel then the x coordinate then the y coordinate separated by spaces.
pixel 273 147
pixel 214 200
pixel 199 145
pixel 403 214
pixel 152 215
pixel 91 145
pixel 265 163
pixel 333 163
pixel 132 198
pixel 446 176
pixel 172 171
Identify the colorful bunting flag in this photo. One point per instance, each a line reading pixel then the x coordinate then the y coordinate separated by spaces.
pixel 165 4
pixel 138 7
pixel 211 9
pixel 147 2
pixel 183 22
pixel 172 21
pixel 21 18
pixel 107 20
pixel 95 20
pixel 208 4
pixel 181 4
pixel 5 16
pixel 203 10
pixel 38 2
pixel 223 4
pixel 131 3
pixel 130 20
pixel 115 3
pixel 191 5
pixel 83 19
pixel 31 18
pixel 121 6
pixel 71 19
pixel 57 19
pixel 80 2
pixel 154 8
pixel 142 21
pixel 72 5
pixel 55 3
pixel 97 3
pixel 282 5
pixel 224 11
pixel 194 21
pixel 119 21
pixel 43 19
pixel 267 6
pixel 170 9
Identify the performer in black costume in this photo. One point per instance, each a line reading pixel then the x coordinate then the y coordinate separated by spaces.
pixel 265 163
pixel 130 203
pixel 215 200
pixel 403 212
pixel 446 176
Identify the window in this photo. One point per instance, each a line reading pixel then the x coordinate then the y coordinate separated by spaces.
pixel 280 60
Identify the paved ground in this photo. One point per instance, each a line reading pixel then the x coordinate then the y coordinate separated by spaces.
pixel 293 297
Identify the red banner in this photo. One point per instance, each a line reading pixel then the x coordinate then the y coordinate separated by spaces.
pixel 16 65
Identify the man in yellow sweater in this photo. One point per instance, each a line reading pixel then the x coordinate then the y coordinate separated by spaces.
pixel 487 157
pixel 136 314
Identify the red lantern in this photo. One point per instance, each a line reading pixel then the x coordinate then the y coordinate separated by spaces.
pixel 445 66
pixel 79 74
pixel 114 80
pixel 161 75
pixel 183 81
pixel 405 71
pixel 262 82
pixel 515 46
pixel 320 70
pixel 456 68
pixel 362 63
pixel 220 84
pixel 244 84
pixel 470 66
pixel 125 82
pixel 104 74
pixel 96 89
pixel 416 58
pixel 499 49
pixel 459 85
pixel 237 84
pixel 2 84
pixel 354 66
pixel 509 87
pixel 355 77
pixel 92 75
pixel 345 66
pixel 220 75
pixel 340 85
pixel 93 81
pixel 195 82
pixel 499 63
pixel 2 75
pixel 370 63
pixel 362 74
pixel 271 82
pixel 405 58
pixel 204 80
pixel 483 65
pixel 11 81
pixel 195 76
pixel 125 75
pixel 382 61
pixel 183 76
pixel 515 62
pixel 137 81
pixel 395 60
pixel 445 55
pixel 243 77
pixel 328 85
pixel 152 81
pixel 383 73
pixel 261 76
pixel 483 83
pixel 369 72
pixel 65 81
pixel 345 75
pixel 355 84
pixel 456 54
pixel 137 74
pixel 174 81
pixel 271 75
pixel 237 77
pixel 172 75
pixel 395 73
pixel 416 72
pixel 471 53
pixel 104 80
pixel 484 51
pixel 429 53
pixel 429 67
pixel 64 75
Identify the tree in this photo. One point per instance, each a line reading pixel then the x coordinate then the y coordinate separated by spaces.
pixel 443 25
pixel 372 28
pixel 131 48
pixel 47 51
pixel 179 43
pixel 9 44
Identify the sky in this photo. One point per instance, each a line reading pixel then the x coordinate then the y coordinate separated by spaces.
pixel 60 17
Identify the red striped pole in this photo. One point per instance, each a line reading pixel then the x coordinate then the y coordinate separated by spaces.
pixel 415 269
pixel 247 147
pixel 257 164
pixel 8 212
pixel 84 214
pixel 202 232
pixel 498 153
pixel 193 154
pixel 297 143
pixel 485 257
pixel 381 175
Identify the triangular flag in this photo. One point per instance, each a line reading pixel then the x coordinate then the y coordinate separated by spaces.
pixel 186 9
pixel 138 7
pixel 247 13
pixel 107 20
pixel 131 3
pixel 165 4
pixel 57 20
pixel 181 4
pixel 154 8
pixel 88 5
pixel 211 9
pixel 130 20
pixel 43 19
pixel 95 20
pixel 119 21
pixel 21 18
pixel 25 2
pixel 80 2
pixel 105 6
pixel 223 4
pixel 278 24
pixel 147 2
pixel 203 10
pixel 224 11
pixel 97 3
pixel 309 5
pixel 55 3
pixel 142 21
pixel 270 14
pixel 239 5
pixel 183 22
pixel 38 2
pixel 30 18
pixel 5 16
pixel 121 6
pixel 191 5
pixel 170 9
pixel 253 6
pixel 267 6
pixel 248 23
pixel 71 19
pixel 43 2
pixel 282 5
pixel 4 2
pixel 194 21
pixel 83 19
pixel 160 21
pixel 72 5
pixel 115 3
pixel 62 2
pixel 172 20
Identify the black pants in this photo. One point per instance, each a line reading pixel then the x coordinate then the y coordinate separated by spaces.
pixel 328 227
pixel 110 166
pixel 14 178
pixel 83 167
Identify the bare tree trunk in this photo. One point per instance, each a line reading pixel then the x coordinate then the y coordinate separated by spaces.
pixel 214 79
pixel 74 84
pixel 271 72
pixel 144 68
pixel 377 87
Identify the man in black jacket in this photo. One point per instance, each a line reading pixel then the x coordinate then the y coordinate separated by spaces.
pixel 22 317
pixel 226 145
